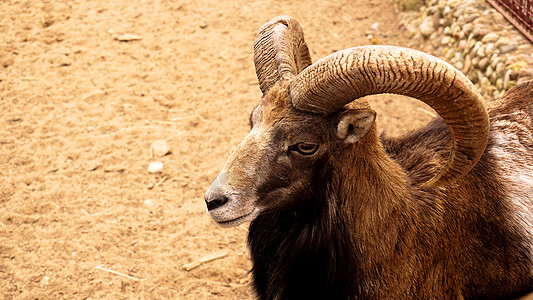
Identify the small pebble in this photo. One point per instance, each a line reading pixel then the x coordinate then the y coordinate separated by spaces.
pixel 427 28
pixel 499 83
pixel 155 167
pixel 507 79
pixel 483 63
pixel 160 148
pixel 507 48
pixel 491 37
pixel 467 64
pixel 503 41
pixel 476 48
pixel 445 40
pixel 45 281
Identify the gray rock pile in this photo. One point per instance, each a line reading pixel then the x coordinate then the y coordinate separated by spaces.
pixel 475 38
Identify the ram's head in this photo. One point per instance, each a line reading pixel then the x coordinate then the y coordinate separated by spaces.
pixel 302 120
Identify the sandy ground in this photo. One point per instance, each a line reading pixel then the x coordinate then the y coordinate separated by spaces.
pixel 80 109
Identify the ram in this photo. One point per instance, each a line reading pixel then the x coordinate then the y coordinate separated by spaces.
pixel 339 212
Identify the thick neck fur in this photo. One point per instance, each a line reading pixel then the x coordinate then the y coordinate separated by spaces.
pixel 307 254
pixel 375 198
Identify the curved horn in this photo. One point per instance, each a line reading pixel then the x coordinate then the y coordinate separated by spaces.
pixel 280 51
pixel 344 76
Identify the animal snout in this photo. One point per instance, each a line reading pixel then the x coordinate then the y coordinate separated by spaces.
pixel 215 196
pixel 215 202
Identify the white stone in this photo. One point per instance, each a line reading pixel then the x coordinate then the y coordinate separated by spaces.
pixel 491 37
pixel 427 28
pixel 160 148
pixel 155 167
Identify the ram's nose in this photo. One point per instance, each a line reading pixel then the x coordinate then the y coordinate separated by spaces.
pixel 215 196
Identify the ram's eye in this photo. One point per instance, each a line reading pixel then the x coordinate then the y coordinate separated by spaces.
pixel 304 148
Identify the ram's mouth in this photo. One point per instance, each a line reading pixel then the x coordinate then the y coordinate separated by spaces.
pixel 239 220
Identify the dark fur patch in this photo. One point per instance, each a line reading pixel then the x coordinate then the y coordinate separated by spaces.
pixel 305 254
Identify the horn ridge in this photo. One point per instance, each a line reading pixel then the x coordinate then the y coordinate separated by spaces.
pixel 332 82
pixel 280 52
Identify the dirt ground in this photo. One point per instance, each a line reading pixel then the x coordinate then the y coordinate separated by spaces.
pixel 80 215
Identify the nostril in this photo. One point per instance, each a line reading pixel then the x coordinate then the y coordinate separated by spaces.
pixel 214 203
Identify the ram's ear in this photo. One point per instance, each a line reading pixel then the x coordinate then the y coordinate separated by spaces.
pixel 354 124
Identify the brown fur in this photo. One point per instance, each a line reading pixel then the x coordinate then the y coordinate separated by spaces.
pixel 351 221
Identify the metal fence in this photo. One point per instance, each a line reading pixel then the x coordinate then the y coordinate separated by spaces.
pixel 518 12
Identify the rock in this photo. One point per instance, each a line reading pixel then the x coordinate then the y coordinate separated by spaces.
pixel 45 281
pixel 499 83
pixel 479 75
pixel 411 30
pixel 493 77
pixel 446 11
pixel 461 35
pixel 409 4
pixel 439 51
pixel 507 79
pixel 495 94
pixel 471 17
pixel 459 65
pixel 475 61
pixel 427 27
pixel 155 167
pixel 481 52
pixel 458 56
pixel 480 31
pixel 470 43
pixel 489 49
pixel 499 69
pixel 445 40
pixel 491 37
pixel 503 41
pixel 517 65
pixel 495 60
pixel 160 148
pixel 459 11
pixel 435 39
pixel 507 48
pixel 375 40
pixel 473 77
pixel 489 72
pixel 462 45
pixel 456 31
pixel 449 54
pixel 526 73
pixel 467 28
pixel 483 63
pixel 486 86
pixel 476 47
pixel 467 64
